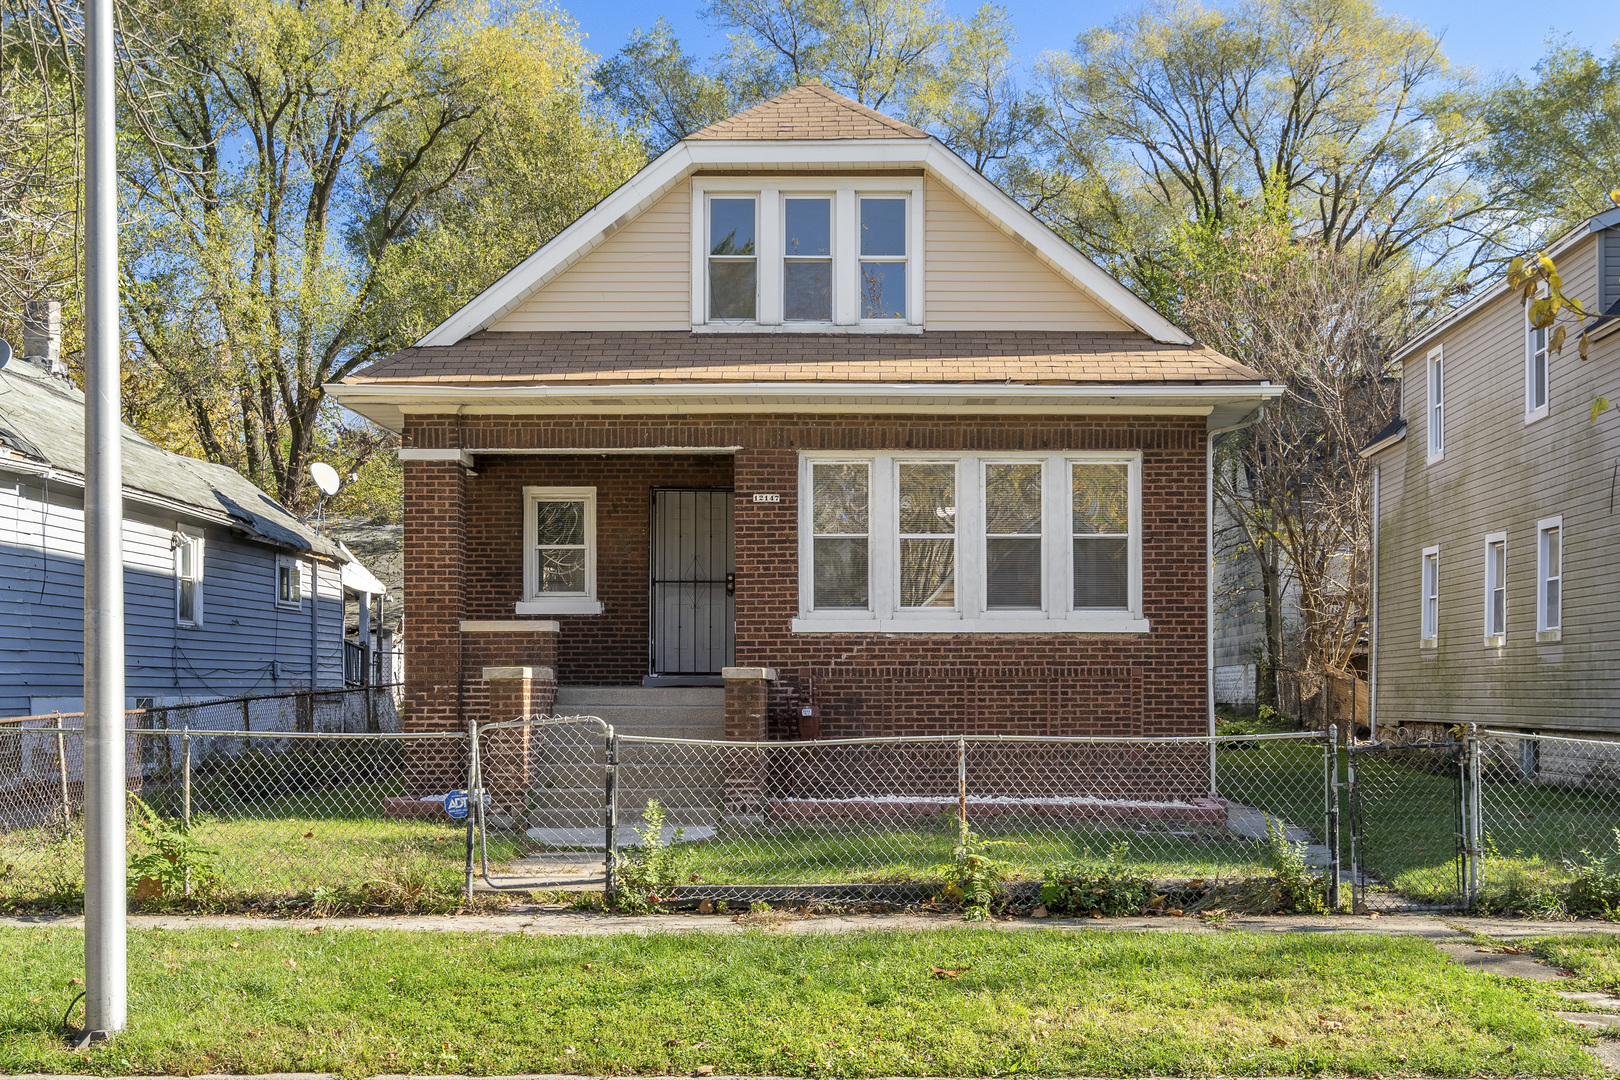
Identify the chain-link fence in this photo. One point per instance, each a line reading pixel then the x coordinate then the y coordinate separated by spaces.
pixel 887 819
pixel 1405 824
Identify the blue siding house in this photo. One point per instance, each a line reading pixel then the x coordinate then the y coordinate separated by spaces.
pixel 226 592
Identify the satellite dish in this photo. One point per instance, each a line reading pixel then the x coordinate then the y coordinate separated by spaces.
pixel 325 477
pixel 5 352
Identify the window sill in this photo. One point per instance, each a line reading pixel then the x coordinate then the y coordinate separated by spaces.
pixel 1495 641
pixel 1434 459
pixel 1123 623
pixel 1429 643
pixel 1549 637
pixel 1539 414
pixel 560 605
pixel 284 606
pixel 807 328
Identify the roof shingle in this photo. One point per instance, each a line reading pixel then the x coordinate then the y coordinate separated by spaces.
pixel 811 111
pixel 671 356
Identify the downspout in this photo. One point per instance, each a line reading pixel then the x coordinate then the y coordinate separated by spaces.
pixel 1209 583
pixel 1372 619
pixel 314 624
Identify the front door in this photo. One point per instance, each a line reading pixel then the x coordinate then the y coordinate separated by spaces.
pixel 693 581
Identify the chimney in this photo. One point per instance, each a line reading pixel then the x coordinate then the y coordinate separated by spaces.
pixel 42 335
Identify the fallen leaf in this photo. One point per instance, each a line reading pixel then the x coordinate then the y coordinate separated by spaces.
pixel 148 888
pixel 1175 911
pixel 75 981
pixel 309 836
pixel 705 906
pixel 947 973
pixel 1332 1025
pixel 1278 1040
pixel 674 1042
pixel 1508 1049
pixel 316 930
pixel 1039 912
pixel 234 945
pixel 701 1045
pixel 703 1070
pixel 390 980
pixel 290 962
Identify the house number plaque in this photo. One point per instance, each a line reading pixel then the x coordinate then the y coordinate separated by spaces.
pixel 770 498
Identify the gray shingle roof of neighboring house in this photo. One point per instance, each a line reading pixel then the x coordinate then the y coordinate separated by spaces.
pixel 42 418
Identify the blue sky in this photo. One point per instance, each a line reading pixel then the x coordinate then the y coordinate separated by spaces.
pixel 1493 35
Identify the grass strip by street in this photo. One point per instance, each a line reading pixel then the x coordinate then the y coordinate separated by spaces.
pixel 1592 959
pixel 952 1002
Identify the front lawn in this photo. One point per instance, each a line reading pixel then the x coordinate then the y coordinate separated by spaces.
pixel 950 1002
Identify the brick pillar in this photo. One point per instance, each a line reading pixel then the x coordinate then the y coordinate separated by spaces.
pixel 435 603
pixel 504 755
pixel 747 694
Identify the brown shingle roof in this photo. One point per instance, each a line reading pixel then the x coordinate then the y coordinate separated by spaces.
pixel 810 111
pixel 653 356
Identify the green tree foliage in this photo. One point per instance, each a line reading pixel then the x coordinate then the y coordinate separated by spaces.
pixel 327 180
pixel 1180 112
pixel 1554 149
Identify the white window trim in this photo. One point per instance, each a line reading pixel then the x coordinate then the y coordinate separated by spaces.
pixel 1428 636
pixel 884 615
pixel 770 216
pixel 297 566
pixel 1498 639
pixel 535 602
pixel 1435 410
pixel 184 539
pixel 1544 632
pixel 1532 412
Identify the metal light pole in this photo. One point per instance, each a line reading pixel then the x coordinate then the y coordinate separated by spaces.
pixel 105 967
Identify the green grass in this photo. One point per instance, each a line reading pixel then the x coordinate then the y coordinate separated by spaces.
pixel 1593 959
pixel 1031 1002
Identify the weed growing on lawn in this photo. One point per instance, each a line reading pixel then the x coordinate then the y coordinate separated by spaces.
pixel 649 869
pixel 1596 887
pixel 1110 886
pixel 979 881
pixel 175 862
pixel 1297 889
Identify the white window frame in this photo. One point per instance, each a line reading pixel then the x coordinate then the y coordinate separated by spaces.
pixel 535 602
pixel 1532 411
pixel 1435 404
pixel 1429 596
pixel 295 566
pixel 181 541
pixel 832 257
pixel 1549 624
pixel 708 257
pixel 770 222
pixel 970 615
pixel 1495 635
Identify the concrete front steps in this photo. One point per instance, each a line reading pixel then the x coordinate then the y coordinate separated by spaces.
pixel 677 712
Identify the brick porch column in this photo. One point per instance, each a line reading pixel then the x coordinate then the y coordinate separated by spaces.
pixel 504 755
pixel 435 495
pixel 747 690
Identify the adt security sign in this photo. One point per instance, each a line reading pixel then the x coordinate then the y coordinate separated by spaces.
pixel 455 804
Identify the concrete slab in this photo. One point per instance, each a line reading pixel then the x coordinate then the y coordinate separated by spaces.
pixel 1606 1023
pixel 1493 961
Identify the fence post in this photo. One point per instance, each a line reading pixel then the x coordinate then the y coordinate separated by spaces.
pixel 1331 759
pixel 185 791
pixel 961 788
pixel 475 802
pixel 247 716
pixel 610 847
pixel 62 772
pixel 1472 831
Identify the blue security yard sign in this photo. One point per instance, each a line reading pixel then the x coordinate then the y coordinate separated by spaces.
pixel 455 804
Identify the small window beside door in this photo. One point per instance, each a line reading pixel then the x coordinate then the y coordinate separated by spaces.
pixel 559 543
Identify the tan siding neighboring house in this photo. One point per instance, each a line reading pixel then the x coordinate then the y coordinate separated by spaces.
pixel 1501 474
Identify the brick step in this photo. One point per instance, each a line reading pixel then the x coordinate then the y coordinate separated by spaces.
pixel 679 712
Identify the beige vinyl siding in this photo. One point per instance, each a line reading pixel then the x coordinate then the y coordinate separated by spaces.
pixel 1500 474
pixel 979 278
pixel 637 279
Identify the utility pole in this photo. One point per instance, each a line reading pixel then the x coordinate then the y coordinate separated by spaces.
pixel 105 960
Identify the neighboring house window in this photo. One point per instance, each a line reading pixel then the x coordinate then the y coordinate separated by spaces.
pixel 1496 589
pixel 1431 598
pixel 1535 371
pixel 188 579
pixel 807 266
pixel 289 581
pixel 883 258
pixel 1013 543
pixel 733 260
pixel 559 574
pixel 1549 578
pixel 1437 405
pixel 807 254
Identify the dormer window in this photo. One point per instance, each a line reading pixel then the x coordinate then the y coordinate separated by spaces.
pixel 733 260
pixel 807 254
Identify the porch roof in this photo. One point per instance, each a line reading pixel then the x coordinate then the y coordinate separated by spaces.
pixel 650 357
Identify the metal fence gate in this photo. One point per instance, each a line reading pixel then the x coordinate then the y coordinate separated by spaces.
pixel 1407 836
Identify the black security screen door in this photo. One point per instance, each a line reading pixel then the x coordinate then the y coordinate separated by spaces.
pixel 693 581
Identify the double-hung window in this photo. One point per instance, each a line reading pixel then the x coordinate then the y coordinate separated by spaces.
pixel 1535 371
pixel 1430 619
pixel 188 579
pixel 733 260
pixel 1437 405
pixel 808 254
pixel 559 564
pixel 289 581
pixel 1550 579
pixel 1015 543
pixel 1496 589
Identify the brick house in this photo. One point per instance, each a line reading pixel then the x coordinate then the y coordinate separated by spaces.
pixel 808 411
